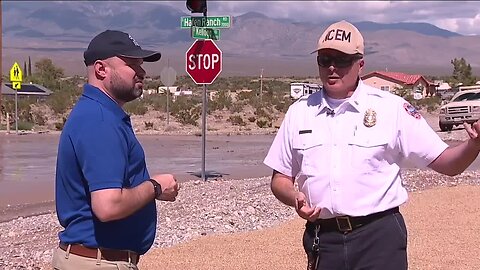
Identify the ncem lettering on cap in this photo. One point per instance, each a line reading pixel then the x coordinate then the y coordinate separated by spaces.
pixel 338 34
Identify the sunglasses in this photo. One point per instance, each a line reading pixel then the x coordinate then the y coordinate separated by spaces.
pixel 337 61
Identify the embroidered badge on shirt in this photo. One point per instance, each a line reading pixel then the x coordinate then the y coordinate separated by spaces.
pixel 370 118
pixel 411 110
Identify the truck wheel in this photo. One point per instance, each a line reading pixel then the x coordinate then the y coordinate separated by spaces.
pixel 445 127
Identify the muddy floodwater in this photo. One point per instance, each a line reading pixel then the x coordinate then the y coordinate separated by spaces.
pixel 27 162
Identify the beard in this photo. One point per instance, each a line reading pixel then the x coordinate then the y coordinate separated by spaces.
pixel 122 90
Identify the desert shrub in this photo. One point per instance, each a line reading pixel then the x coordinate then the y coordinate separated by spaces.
pixel 430 103
pixel 24 125
pixel 187 110
pixel 38 118
pixel 222 100
pixel 244 95
pixel 60 125
pixel 236 107
pixel 252 119
pixel 236 120
pixel 136 107
pixel 148 125
pixel 263 123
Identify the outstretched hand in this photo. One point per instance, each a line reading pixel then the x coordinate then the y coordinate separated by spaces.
pixel 304 210
pixel 473 131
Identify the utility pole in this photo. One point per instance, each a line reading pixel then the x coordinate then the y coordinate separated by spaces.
pixel 168 101
pixel 261 85
pixel 1 57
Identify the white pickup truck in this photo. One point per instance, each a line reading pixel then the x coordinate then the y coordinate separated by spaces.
pixel 463 107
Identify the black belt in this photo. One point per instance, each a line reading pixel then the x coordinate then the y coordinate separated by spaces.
pixel 347 224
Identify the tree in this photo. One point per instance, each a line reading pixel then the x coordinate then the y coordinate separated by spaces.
pixel 462 72
pixel 25 68
pixel 29 73
pixel 47 74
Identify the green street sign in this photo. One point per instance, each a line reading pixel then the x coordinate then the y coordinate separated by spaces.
pixel 205 33
pixel 209 22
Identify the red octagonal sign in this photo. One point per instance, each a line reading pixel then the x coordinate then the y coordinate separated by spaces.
pixel 204 61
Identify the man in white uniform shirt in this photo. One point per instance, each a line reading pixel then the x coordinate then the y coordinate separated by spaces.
pixel 345 145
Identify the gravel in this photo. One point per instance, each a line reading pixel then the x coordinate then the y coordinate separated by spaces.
pixel 202 208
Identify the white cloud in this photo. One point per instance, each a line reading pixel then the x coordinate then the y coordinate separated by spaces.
pixel 459 16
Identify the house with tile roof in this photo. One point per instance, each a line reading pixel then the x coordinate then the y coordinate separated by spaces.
pixel 390 81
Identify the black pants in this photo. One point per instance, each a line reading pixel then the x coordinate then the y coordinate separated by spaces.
pixel 379 245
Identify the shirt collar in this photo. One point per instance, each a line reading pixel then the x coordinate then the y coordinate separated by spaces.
pixel 354 100
pixel 94 93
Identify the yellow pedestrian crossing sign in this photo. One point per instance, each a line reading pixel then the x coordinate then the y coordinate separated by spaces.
pixel 16 74
pixel 17 85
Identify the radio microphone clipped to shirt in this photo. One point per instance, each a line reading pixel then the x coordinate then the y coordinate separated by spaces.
pixel 330 112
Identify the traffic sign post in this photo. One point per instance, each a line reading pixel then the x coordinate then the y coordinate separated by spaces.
pixel 203 64
pixel 168 77
pixel 16 78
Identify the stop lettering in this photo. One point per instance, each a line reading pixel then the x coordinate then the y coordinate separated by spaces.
pixel 203 61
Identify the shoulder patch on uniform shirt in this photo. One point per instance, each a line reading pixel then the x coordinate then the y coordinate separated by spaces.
pixel 411 110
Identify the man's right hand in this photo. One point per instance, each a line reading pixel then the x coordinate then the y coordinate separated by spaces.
pixel 305 211
pixel 169 185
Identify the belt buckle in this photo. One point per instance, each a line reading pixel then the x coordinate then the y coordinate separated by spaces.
pixel 343 223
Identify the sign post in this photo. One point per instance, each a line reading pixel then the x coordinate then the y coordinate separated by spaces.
pixel 16 78
pixel 168 77
pixel 203 65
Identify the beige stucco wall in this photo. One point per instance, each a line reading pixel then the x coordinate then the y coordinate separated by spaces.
pixel 379 82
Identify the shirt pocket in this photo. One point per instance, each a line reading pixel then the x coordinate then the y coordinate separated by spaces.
pixel 367 151
pixel 309 148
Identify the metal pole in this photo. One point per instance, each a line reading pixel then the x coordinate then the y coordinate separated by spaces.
pixel 168 92
pixel 204 121
pixel 1 57
pixel 16 112
pixel 204 124
pixel 168 112
pixel 261 85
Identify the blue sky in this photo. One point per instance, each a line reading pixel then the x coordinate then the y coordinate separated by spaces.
pixel 462 17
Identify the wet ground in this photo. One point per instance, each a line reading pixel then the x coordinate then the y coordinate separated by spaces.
pixel 27 163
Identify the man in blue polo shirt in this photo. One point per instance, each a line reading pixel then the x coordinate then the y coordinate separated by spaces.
pixel 105 197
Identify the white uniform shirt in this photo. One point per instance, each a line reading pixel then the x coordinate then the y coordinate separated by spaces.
pixel 342 165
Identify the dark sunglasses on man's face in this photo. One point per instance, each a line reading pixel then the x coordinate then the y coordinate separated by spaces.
pixel 343 61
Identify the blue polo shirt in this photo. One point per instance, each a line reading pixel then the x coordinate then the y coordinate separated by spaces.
pixel 98 150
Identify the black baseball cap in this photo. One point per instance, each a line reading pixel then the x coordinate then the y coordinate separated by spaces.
pixel 112 43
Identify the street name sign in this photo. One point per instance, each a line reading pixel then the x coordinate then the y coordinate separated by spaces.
pixel 209 22
pixel 205 33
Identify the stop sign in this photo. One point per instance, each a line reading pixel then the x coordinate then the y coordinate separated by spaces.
pixel 204 61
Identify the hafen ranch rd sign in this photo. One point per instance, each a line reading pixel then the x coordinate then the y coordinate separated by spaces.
pixel 203 61
pixel 209 22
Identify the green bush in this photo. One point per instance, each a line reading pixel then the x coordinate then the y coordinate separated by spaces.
pixel 263 123
pixel 236 107
pixel 187 110
pixel 236 120
pixel 136 107
pixel 23 125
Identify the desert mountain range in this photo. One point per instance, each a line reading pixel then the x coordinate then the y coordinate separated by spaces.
pixel 61 31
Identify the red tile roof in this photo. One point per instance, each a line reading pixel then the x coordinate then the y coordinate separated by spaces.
pixel 404 78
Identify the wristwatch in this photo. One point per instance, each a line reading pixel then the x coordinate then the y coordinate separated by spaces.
pixel 157 188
